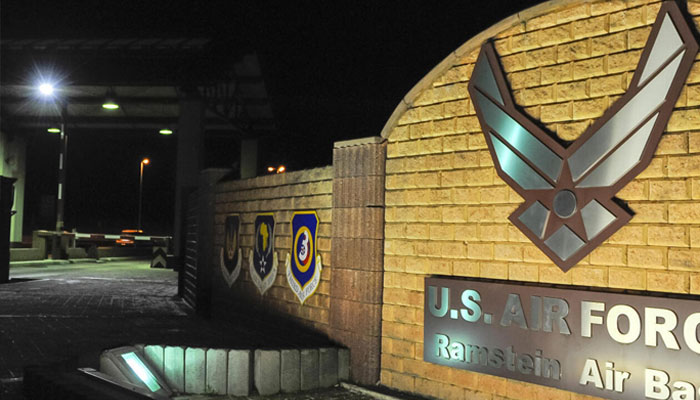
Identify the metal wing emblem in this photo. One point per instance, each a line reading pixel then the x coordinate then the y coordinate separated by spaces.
pixel 569 191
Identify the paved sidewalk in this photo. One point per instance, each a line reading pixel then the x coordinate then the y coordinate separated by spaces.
pixel 60 312
pixel 66 310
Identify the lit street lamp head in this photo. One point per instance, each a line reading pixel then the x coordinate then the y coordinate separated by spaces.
pixel 46 89
pixel 279 170
pixel 145 161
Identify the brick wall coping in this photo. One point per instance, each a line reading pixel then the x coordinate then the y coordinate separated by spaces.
pixel 273 180
pixel 469 46
pixel 358 142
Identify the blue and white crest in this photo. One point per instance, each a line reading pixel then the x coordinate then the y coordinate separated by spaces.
pixel 230 258
pixel 263 259
pixel 304 264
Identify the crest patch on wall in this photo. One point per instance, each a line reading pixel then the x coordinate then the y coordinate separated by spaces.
pixel 230 257
pixel 263 258
pixel 304 264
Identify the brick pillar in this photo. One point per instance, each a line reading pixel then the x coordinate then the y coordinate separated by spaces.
pixel 357 253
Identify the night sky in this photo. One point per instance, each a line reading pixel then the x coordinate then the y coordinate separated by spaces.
pixel 333 71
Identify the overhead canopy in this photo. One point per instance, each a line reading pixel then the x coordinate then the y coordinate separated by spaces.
pixel 145 77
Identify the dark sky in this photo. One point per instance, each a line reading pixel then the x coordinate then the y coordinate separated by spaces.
pixel 334 70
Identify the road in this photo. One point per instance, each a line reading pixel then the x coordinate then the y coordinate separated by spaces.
pixel 71 312
pixel 58 312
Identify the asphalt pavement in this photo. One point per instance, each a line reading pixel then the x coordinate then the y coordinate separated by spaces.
pixel 55 313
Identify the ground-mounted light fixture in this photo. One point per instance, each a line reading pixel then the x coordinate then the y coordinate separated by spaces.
pixel 126 367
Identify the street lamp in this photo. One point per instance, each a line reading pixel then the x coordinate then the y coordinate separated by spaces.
pixel 48 91
pixel 277 170
pixel 145 161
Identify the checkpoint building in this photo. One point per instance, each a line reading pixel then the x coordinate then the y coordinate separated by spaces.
pixel 525 226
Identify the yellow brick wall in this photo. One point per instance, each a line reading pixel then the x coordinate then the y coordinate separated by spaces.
pixel 281 194
pixel 446 209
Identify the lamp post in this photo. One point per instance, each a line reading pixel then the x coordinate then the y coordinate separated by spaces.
pixel 47 91
pixel 62 159
pixel 145 161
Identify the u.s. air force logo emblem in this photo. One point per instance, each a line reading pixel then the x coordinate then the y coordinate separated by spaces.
pixel 230 257
pixel 304 265
pixel 569 190
pixel 263 259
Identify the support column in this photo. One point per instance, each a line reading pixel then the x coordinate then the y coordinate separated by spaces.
pixel 190 137
pixel 13 152
pixel 5 207
pixel 20 153
pixel 249 158
pixel 357 253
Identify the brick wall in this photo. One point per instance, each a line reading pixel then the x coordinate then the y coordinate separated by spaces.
pixel 446 209
pixel 281 194
pixel 347 305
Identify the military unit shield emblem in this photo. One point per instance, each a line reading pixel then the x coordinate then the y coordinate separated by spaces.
pixel 304 264
pixel 263 259
pixel 230 258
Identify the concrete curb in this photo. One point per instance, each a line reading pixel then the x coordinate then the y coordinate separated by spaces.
pixel 50 262
pixel 38 263
pixel 238 374
pixel 116 259
pixel 198 370
pixel 367 392
pixel 290 373
pixel 266 374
